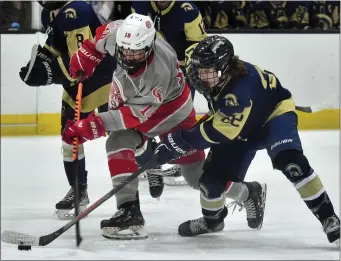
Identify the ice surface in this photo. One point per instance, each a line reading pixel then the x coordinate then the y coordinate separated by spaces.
pixel 33 180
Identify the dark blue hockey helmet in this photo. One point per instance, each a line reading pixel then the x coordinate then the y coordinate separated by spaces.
pixel 210 62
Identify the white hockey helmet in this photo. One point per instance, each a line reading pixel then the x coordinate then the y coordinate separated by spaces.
pixel 136 33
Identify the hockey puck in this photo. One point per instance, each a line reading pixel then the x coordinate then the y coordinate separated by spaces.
pixel 24 247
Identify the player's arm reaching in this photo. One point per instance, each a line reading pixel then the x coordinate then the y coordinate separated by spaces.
pixel 91 52
pixel 223 126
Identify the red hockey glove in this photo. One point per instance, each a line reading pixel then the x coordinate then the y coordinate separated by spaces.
pixel 85 60
pixel 88 129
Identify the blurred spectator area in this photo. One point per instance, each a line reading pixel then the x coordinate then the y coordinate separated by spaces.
pixel 271 14
pixel 15 15
pixel 221 15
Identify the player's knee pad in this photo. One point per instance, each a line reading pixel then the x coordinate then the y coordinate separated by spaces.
pixel 123 139
pixel 120 147
pixel 145 152
pixel 67 152
pixel 293 164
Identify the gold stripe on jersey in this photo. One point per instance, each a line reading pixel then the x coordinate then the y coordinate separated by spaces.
pixel 163 12
pixel 75 38
pixel 203 132
pixel 272 78
pixel 195 30
pixel 52 50
pixel 92 101
pixel 281 108
pixel 231 125
pixel 65 71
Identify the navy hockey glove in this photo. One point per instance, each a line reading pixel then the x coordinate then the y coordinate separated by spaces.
pixel 172 147
pixel 45 70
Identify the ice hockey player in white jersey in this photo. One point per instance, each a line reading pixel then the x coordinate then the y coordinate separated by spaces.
pixel 149 97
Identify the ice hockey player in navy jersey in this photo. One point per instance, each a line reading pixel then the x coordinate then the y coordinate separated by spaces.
pixel 67 25
pixel 250 111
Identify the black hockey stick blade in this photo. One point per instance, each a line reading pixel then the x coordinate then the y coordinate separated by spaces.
pixel 331 103
pixel 16 238
pixel 303 109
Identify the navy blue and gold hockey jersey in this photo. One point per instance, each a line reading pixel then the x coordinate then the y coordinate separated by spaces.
pixel 242 108
pixel 75 22
pixel 180 24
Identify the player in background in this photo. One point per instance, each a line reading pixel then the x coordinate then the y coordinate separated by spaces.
pixel 181 25
pixel 67 25
pixel 251 111
pixel 149 97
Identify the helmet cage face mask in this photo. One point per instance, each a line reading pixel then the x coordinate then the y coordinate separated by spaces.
pixel 207 76
pixel 135 42
pixel 132 60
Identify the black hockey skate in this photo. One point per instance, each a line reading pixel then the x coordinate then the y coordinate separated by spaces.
pixel 67 204
pixel 203 225
pixel 155 181
pixel 173 177
pixel 255 204
pixel 127 223
pixel 331 226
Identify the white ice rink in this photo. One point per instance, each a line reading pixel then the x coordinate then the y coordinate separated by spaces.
pixel 33 180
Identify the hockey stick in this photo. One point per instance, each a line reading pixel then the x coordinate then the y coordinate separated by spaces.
pixel 32 61
pixel 75 142
pixel 12 237
pixel 317 107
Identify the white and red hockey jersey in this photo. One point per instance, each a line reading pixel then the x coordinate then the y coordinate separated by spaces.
pixel 155 99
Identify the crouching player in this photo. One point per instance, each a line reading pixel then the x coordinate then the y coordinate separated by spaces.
pixel 252 111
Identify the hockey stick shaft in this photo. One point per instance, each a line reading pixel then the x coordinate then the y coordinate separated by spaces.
pixel 20 238
pixel 44 240
pixel 32 60
pixel 75 142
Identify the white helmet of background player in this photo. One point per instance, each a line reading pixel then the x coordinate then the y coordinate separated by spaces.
pixel 135 40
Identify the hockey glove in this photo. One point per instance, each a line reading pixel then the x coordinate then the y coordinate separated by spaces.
pixel 172 147
pixel 85 60
pixel 87 129
pixel 45 70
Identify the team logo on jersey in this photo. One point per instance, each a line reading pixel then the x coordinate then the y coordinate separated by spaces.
pixel 148 24
pixel 70 13
pixel 116 98
pixel 157 94
pixel 231 100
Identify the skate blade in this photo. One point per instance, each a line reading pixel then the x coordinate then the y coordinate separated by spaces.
pixel 174 181
pixel 126 234
pixel 264 190
pixel 68 214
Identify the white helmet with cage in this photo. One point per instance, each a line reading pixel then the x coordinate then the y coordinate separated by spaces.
pixel 136 33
